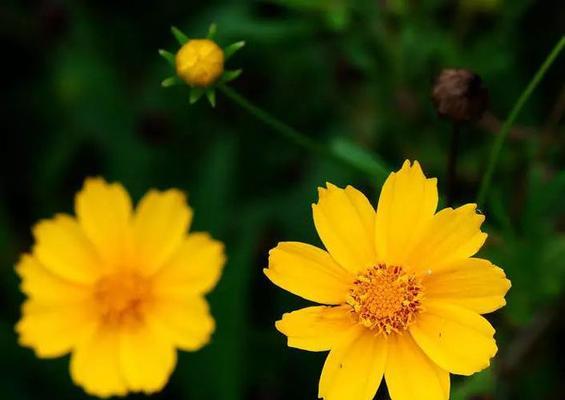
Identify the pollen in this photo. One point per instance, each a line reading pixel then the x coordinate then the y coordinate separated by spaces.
pixel 200 62
pixel 385 299
pixel 122 298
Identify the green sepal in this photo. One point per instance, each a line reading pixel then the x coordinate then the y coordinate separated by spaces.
pixel 195 94
pixel 179 35
pixel 212 31
pixel 169 57
pixel 229 76
pixel 171 81
pixel 211 95
pixel 232 49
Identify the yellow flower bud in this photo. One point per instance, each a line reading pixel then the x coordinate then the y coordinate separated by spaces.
pixel 200 62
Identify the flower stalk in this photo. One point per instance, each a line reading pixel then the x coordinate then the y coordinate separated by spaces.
pixel 293 136
pixel 499 140
pixel 452 163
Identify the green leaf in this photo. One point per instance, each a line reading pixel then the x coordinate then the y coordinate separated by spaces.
pixel 171 81
pixel 169 57
pixel 195 94
pixel 212 31
pixel 211 94
pixel 179 35
pixel 229 76
pixel 232 48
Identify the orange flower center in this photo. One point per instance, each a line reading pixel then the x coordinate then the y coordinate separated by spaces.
pixel 121 298
pixel 385 298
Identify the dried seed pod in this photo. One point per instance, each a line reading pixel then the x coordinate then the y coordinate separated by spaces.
pixel 459 95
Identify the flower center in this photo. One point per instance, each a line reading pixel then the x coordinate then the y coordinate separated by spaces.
pixel 121 298
pixel 385 298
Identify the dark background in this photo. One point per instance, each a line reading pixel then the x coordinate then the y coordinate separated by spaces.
pixel 80 96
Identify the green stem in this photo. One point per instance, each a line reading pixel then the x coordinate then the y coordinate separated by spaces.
pixel 452 163
pixel 499 140
pixel 292 135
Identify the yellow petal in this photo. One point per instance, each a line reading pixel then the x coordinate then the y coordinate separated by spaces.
pixel 95 364
pixel 53 331
pixel 458 340
pixel 160 223
pixel 345 222
pixel 187 324
pixel 407 203
pixel 104 213
pixel 195 268
pixel 309 272
pixel 411 375
pixel 146 359
pixel 354 368
pixel 41 285
pixel 315 328
pixel 472 283
pixel 62 247
pixel 452 235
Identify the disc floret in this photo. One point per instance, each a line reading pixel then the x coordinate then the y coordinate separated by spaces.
pixel 122 299
pixel 385 299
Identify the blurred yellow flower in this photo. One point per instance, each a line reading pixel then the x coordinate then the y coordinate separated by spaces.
pixel 119 289
pixel 402 293
pixel 200 62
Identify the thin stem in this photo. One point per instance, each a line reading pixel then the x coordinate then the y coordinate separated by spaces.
pixel 452 163
pixel 499 140
pixel 292 135
pixel 278 126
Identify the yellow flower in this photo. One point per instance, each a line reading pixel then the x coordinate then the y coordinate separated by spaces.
pixel 200 62
pixel 402 293
pixel 119 289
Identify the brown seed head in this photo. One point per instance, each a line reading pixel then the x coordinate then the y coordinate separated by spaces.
pixel 459 95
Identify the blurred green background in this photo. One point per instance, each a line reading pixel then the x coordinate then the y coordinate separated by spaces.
pixel 81 96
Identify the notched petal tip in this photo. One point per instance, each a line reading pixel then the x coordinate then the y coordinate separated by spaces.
pixel 281 246
pixel 469 207
pixel 177 196
pixel 503 277
pixel 92 181
pixel 407 164
pixel 101 187
pixel 507 282
pixel 323 192
pixel 21 264
pixel 279 324
pixel 40 226
pixel 413 168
